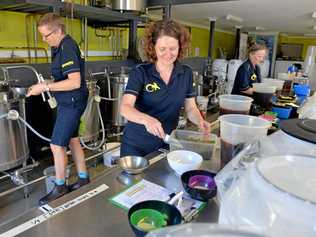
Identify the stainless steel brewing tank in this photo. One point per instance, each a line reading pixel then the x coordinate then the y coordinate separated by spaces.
pixel 90 121
pixel 129 5
pixel 13 140
pixel 119 82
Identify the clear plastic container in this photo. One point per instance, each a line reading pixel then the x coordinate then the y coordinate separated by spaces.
pixel 194 141
pixel 280 188
pixel 274 82
pixel 264 88
pixel 234 104
pixel 205 230
pixel 237 130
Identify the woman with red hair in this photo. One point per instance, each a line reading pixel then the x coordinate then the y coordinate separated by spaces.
pixel 156 91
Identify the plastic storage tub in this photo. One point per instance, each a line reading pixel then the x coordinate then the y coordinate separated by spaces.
pixel 274 82
pixel 234 104
pixel 237 130
pixel 302 90
pixel 264 88
pixel 194 141
pixel 283 112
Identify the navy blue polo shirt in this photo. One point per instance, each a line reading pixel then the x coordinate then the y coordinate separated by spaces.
pixel 246 75
pixel 66 59
pixel 157 99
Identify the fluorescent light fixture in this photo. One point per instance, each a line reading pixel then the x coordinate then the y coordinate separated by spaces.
pixel 314 15
pixel 212 18
pixel 260 28
pixel 230 17
pixel 310 35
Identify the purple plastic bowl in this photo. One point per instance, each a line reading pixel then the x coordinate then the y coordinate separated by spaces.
pixel 201 182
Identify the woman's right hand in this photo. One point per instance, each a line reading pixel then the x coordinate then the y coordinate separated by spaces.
pixel 153 126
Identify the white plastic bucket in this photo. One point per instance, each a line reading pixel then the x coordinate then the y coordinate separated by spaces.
pixel 264 88
pixel 238 104
pixel 236 130
pixel 111 156
pixel 274 82
pixel 233 66
pixel 219 67
pixel 50 179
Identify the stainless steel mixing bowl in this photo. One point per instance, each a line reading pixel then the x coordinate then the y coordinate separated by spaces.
pixel 133 164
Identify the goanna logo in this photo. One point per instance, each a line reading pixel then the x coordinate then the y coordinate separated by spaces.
pixel 254 77
pixel 152 87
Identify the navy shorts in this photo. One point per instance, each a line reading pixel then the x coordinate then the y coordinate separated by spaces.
pixel 67 122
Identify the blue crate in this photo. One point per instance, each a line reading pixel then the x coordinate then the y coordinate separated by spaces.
pixel 302 90
pixel 283 112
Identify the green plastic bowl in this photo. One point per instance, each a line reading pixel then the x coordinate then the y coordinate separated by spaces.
pixel 148 219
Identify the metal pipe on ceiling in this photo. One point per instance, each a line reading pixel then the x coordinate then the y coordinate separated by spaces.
pixel 35 38
pixel 132 39
pixel 28 43
pixel 211 36
pixel 237 42
pixel 166 11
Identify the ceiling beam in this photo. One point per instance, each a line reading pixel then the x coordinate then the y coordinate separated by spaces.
pixel 155 3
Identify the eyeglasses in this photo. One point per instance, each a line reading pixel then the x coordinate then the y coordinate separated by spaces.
pixel 49 34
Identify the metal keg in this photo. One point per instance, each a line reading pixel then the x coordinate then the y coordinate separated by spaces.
pixel 90 121
pixel 119 82
pixel 13 140
pixel 129 5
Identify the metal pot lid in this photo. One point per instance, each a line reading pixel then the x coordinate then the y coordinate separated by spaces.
pixel 308 124
pixel 301 129
pixel 292 174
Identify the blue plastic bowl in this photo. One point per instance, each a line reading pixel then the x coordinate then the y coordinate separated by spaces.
pixel 302 90
pixel 283 112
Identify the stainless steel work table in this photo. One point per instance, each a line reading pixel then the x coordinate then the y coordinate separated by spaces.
pixel 97 216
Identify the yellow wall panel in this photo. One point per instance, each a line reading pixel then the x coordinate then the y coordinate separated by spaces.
pixel 14 28
pixel 305 41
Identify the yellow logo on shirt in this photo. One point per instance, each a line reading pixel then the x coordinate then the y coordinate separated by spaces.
pixel 67 64
pixel 253 77
pixel 151 87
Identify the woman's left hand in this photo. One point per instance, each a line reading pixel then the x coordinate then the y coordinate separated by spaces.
pixel 36 89
pixel 205 127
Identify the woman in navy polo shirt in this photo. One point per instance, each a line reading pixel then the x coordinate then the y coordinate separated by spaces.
pixel 69 88
pixel 249 71
pixel 156 91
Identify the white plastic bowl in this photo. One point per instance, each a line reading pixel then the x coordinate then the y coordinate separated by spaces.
pixel 263 88
pixel 274 82
pixel 235 102
pixel 182 160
